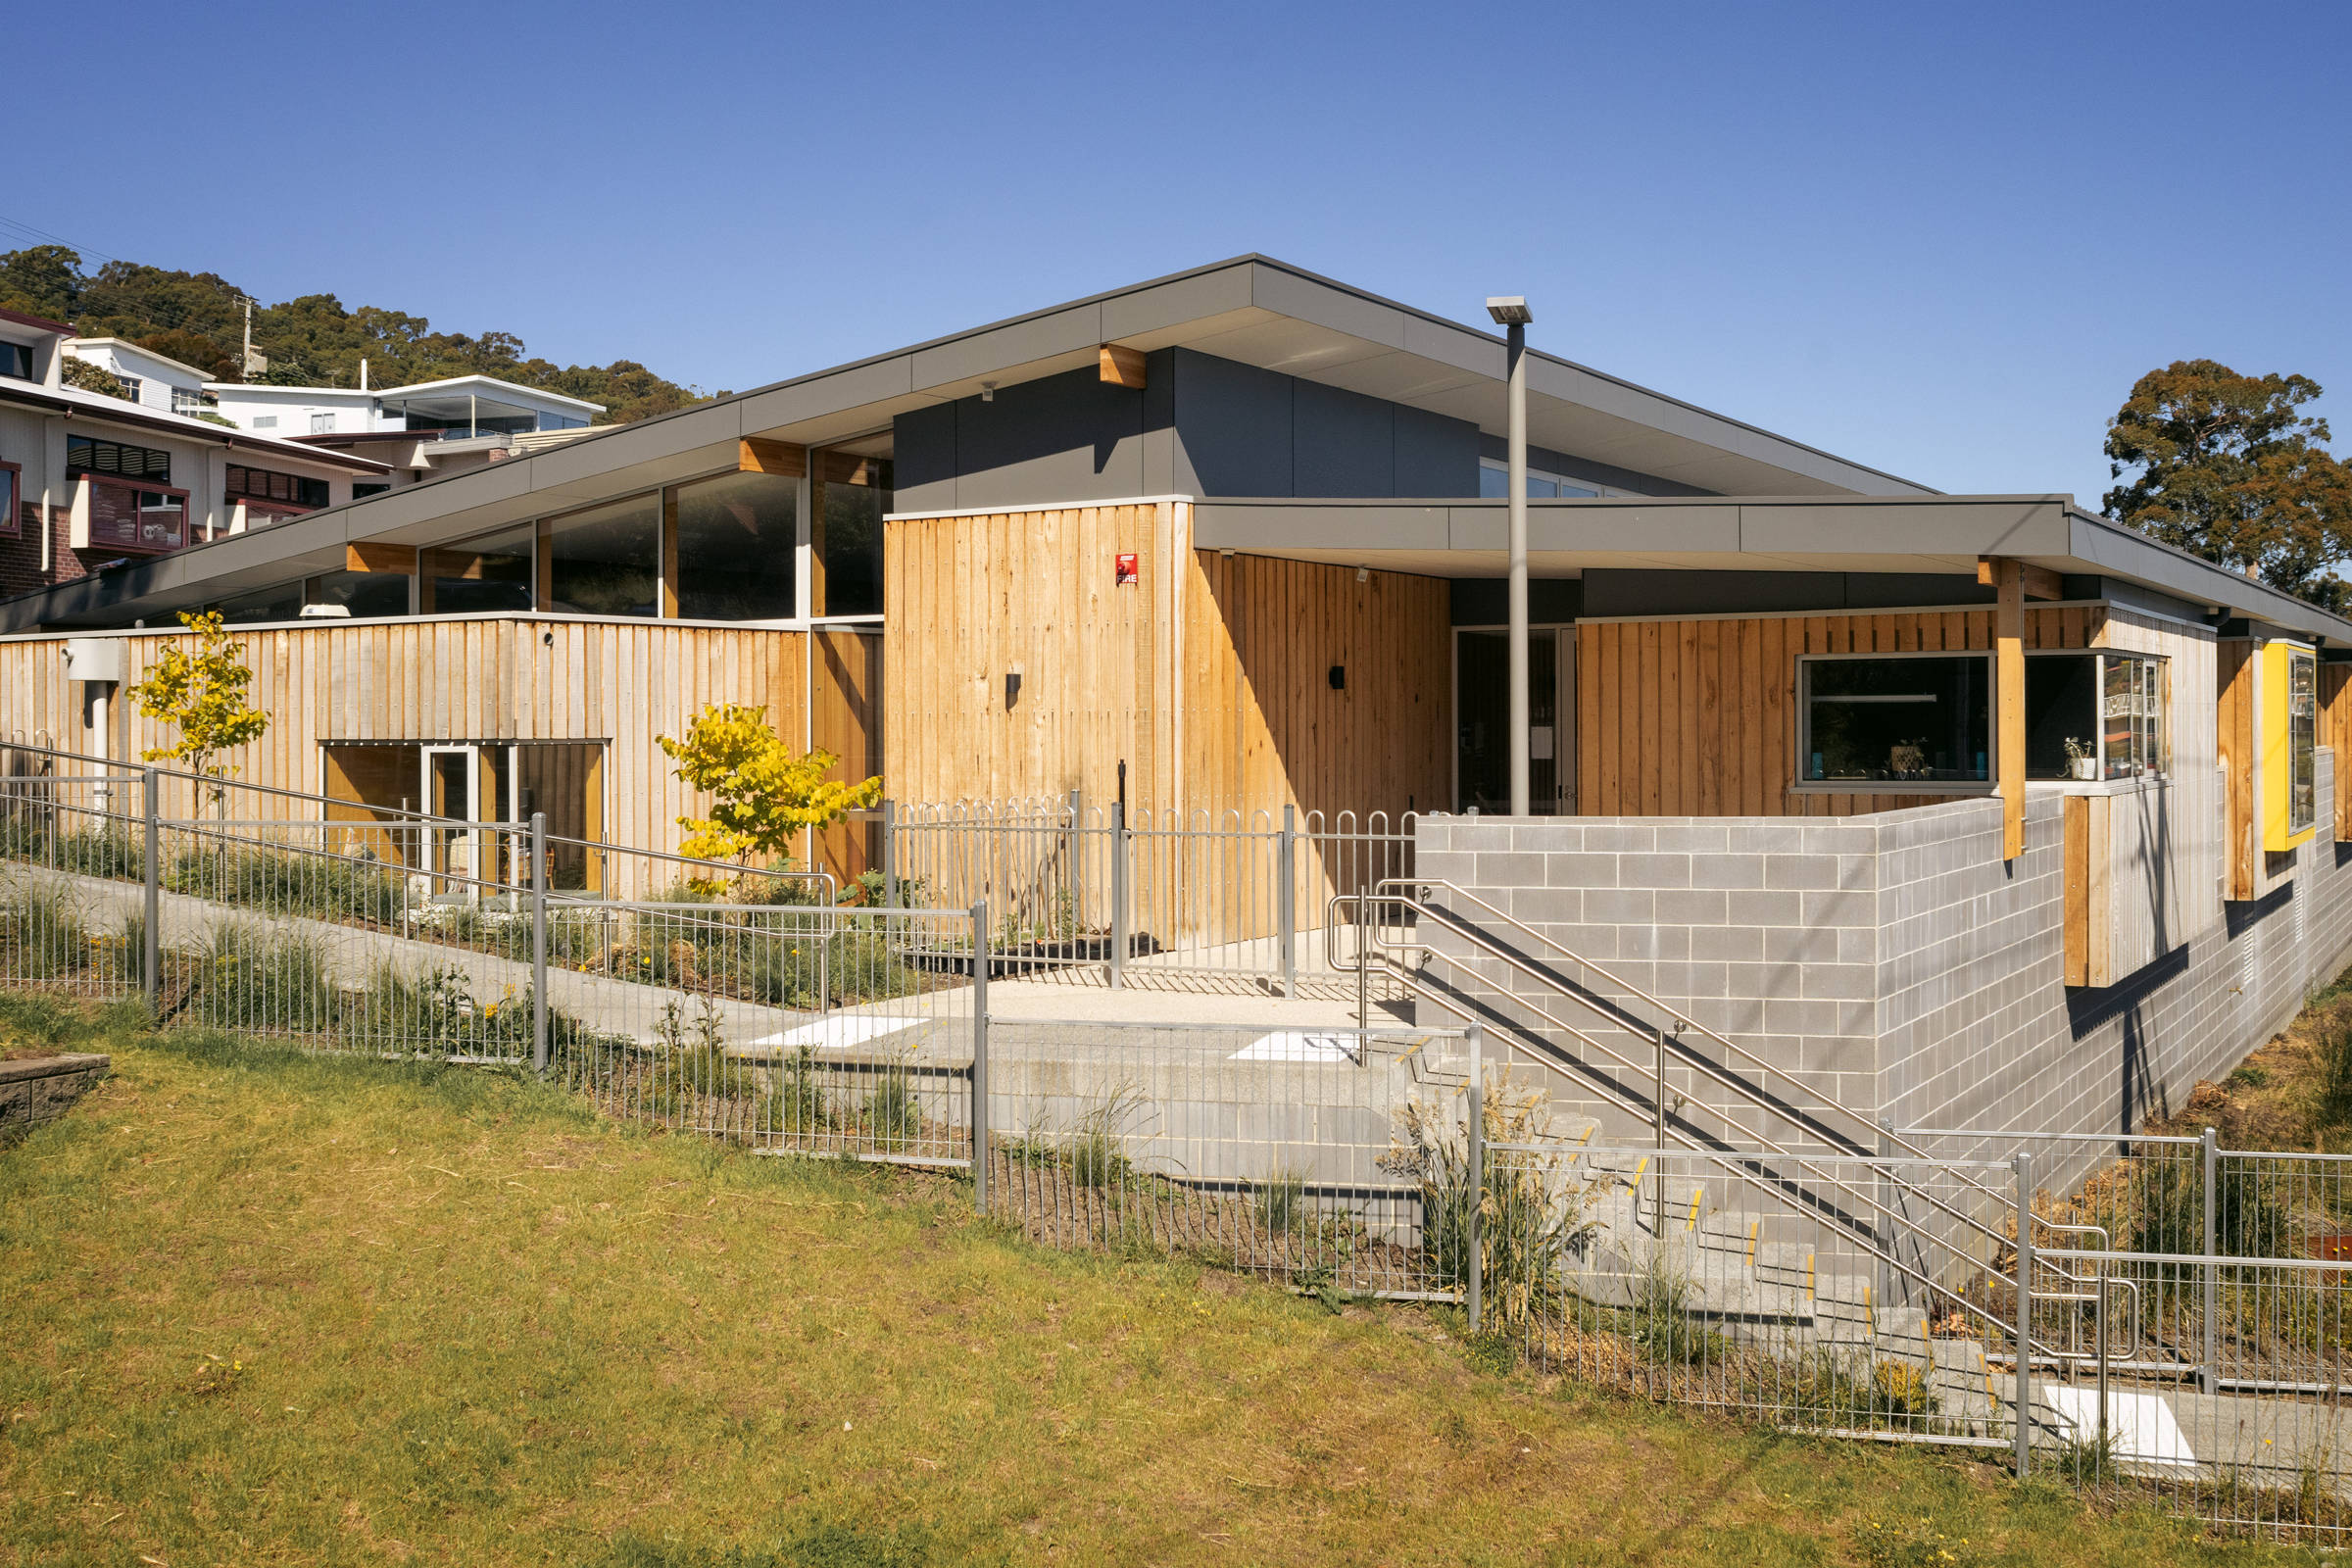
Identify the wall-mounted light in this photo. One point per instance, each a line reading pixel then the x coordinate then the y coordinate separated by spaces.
pixel 1339 678
pixel 1363 574
pixel 988 391
pixel 1012 685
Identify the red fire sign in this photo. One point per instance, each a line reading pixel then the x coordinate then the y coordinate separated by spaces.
pixel 1128 572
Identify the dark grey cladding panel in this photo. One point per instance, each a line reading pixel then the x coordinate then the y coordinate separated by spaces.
pixel 1486 601
pixel 1435 456
pixel 1615 591
pixel 1574 467
pixel 1343 443
pixel 923 458
pixel 1069 437
pixel 1235 422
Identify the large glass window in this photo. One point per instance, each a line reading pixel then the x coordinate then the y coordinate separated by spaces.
pixel 852 549
pixel 738 539
pixel 280 603
pixel 366 595
pixel 11 520
pixel 2093 715
pixel 607 561
pixel 491 572
pixel 15 360
pixel 2062 716
pixel 1922 719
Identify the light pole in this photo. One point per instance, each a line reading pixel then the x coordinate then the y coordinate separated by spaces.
pixel 1512 314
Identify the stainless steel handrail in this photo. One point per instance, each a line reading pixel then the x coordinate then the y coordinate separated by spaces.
pixel 1861 1197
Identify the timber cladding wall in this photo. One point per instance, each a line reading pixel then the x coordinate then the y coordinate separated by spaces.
pixel 1697 717
pixel 485 679
pixel 1211 675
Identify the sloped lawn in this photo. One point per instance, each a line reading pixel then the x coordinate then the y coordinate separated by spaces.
pixel 260 1309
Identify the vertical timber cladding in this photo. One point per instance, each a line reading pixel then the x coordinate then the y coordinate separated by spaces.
pixel 1024 669
pixel 621 683
pixel 845 717
pixel 1211 676
pixel 1698 716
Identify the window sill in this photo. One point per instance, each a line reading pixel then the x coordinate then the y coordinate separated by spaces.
pixel 2107 786
pixel 1890 786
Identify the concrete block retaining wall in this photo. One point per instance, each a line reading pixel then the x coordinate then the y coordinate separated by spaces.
pixel 1896 963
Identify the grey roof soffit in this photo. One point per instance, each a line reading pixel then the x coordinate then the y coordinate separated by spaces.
pixel 1295 320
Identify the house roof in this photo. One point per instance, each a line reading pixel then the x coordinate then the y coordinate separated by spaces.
pixel 125 344
pixel 1256 311
pixel 461 383
pixel 98 406
pixel 41 322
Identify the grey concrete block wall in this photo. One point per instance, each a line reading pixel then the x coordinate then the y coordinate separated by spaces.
pixel 1897 964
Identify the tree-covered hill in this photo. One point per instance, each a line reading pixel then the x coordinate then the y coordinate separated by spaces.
pixel 199 318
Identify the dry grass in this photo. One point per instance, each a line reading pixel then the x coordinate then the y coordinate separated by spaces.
pixel 2277 1097
pixel 260 1309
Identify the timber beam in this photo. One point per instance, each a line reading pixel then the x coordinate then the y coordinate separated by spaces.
pixel 2008 578
pixel 1122 366
pixel 756 455
pixel 2041 582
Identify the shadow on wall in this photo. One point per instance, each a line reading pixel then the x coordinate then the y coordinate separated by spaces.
pixel 2244 915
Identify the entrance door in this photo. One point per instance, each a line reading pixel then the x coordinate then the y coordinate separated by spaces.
pixel 451 791
pixel 1482 705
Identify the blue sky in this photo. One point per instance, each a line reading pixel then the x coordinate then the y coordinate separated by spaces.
pixel 1941 240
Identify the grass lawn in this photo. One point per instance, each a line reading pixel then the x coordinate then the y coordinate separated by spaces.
pixel 260 1309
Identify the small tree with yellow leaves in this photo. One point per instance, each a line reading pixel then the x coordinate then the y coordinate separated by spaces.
pixel 762 794
pixel 200 692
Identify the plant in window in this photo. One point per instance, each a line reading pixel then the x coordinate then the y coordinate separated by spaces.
pixel 201 693
pixel 2082 757
pixel 762 794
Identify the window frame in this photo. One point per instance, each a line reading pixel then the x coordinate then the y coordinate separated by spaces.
pixel 2160 732
pixel 1888 786
pixel 11 514
pixel 188 524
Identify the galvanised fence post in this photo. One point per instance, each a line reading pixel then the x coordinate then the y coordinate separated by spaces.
pixel 890 855
pixel 539 1050
pixel 980 1055
pixel 1118 894
pixel 2211 1375
pixel 1286 897
pixel 1073 859
pixel 151 954
pixel 2021 1398
pixel 1475 1267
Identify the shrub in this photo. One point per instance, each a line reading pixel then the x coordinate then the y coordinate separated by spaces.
pixel 1530 1215
pixel 797 1106
pixel 1281 1200
pixel 1096 1149
pixel 260 981
pixel 43 922
pixel 110 851
pixel 893 1116
pixel 2332 1040
pixel 1665 1326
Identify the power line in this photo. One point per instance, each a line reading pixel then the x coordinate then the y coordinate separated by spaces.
pixel 156 313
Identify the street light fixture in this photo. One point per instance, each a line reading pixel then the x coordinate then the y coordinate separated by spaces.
pixel 1510 312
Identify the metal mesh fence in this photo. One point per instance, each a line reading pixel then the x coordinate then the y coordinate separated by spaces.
pixel 1118 895
pixel 1302 1157
pixel 2151 1317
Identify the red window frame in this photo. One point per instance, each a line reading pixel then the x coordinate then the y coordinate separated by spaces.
pixel 12 515
pixel 187 520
